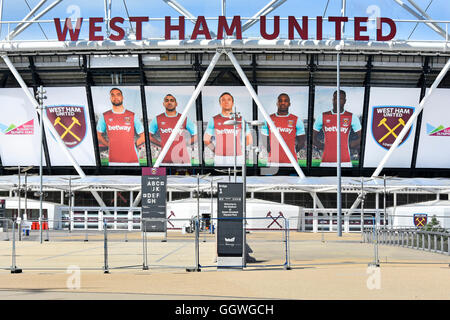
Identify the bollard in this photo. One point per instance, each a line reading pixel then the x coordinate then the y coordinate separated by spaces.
pixel 288 258
pixel 14 268
pixel 197 257
pixel 144 247
pixel 435 243
pixel 448 245
pixel 105 232
pixel 429 242
pixel 442 244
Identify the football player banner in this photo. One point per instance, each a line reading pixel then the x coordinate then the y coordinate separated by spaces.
pixel 164 108
pixel 288 109
pixel 325 128
pixel 154 202
pixel 230 220
pixel 120 129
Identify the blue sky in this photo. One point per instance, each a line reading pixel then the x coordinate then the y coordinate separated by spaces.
pixel 17 9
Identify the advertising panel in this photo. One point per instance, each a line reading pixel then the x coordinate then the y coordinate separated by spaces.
pixel 324 152
pixel 19 129
pixel 389 110
pixel 120 128
pixel 288 109
pixel 67 110
pixel 164 108
pixel 433 150
pixel 222 142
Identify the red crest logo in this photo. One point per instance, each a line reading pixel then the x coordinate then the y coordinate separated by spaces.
pixel 69 122
pixel 388 122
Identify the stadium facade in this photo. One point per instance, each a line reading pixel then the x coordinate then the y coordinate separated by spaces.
pixel 383 83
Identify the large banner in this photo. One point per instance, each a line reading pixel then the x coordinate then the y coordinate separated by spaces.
pixel 164 107
pixel 288 109
pixel 19 129
pixel 219 138
pixel 433 150
pixel 120 128
pixel 389 110
pixel 68 112
pixel 324 152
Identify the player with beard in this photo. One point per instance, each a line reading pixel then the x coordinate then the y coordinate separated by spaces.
pixel 120 127
pixel 291 129
pixel 164 124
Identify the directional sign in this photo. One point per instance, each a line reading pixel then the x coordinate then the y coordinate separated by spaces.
pixel 230 217
pixel 154 202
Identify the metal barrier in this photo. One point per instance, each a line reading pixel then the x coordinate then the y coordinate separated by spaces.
pixel 7 226
pixel 263 248
pixel 414 238
pixel 323 220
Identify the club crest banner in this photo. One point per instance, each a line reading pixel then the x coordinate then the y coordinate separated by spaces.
pixel 69 122
pixel 388 122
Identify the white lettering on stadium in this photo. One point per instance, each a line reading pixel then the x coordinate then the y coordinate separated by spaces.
pixel 119 128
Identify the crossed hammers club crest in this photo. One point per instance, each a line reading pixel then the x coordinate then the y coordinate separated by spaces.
pixel 401 122
pixel 280 214
pixel 69 128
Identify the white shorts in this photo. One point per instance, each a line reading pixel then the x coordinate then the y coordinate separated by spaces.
pixel 276 164
pixel 129 164
pixel 334 164
pixel 228 161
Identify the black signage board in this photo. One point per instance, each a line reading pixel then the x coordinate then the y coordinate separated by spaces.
pixel 230 220
pixel 2 213
pixel 154 202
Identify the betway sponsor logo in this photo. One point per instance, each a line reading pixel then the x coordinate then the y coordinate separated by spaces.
pixel 285 130
pixel 119 128
pixel 168 130
pixel 226 131
pixel 334 129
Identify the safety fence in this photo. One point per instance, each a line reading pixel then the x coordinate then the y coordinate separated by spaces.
pixel 35 245
pixel 435 240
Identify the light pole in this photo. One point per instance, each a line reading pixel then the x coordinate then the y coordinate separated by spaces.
pixel 385 195
pixel 244 174
pixel 70 195
pixel 41 97
pixel 21 217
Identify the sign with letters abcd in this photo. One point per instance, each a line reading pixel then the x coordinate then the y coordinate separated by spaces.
pixel 154 202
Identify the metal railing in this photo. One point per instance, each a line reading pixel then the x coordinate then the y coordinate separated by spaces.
pixel 415 238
